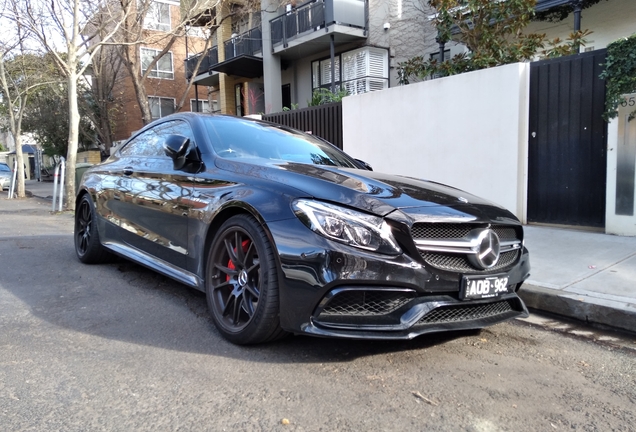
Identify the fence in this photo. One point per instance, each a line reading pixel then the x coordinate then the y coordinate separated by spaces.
pixel 324 121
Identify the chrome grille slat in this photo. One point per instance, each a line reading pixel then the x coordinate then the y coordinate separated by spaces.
pixel 455 262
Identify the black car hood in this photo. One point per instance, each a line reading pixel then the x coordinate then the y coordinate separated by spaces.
pixel 371 191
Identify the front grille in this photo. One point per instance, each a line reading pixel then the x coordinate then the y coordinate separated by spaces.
pixel 459 263
pixel 365 303
pixel 458 313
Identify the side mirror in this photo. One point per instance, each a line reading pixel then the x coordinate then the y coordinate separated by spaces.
pixel 364 165
pixel 182 152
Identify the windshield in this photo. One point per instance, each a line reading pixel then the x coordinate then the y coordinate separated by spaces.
pixel 235 138
pixel 4 167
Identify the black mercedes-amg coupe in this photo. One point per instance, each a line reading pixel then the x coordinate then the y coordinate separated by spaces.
pixel 286 233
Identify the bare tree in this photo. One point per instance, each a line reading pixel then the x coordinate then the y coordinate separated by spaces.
pixel 73 31
pixel 135 32
pixel 106 71
pixel 20 75
pixel 15 99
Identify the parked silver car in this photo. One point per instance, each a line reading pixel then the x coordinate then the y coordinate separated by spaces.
pixel 5 176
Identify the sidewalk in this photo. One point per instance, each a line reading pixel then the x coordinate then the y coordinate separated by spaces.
pixel 39 189
pixel 583 275
pixel 578 274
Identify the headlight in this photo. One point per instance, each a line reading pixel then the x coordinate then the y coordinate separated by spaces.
pixel 347 226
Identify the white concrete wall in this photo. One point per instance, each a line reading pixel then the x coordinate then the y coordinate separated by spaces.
pixel 469 131
pixel 618 224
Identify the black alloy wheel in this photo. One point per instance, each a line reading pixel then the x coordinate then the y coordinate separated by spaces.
pixel 88 248
pixel 242 283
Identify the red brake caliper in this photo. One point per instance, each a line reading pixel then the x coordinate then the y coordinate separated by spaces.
pixel 230 264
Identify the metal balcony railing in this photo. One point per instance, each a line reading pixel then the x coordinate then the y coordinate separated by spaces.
pixel 248 43
pixel 315 16
pixel 211 58
pixel 307 17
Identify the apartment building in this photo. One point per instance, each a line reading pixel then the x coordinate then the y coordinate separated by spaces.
pixel 166 83
pixel 276 56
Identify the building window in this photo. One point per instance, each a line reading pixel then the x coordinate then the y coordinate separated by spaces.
pixel 160 106
pixel 203 106
pixel 158 17
pixel 162 69
pixel 358 71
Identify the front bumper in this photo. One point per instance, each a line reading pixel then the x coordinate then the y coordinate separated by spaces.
pixel 330 289
pixel 426 314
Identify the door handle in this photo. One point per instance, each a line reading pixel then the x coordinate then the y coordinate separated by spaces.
pixel 128 171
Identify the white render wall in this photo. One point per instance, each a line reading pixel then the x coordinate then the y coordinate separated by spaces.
pixel 618 224
pixel 468 131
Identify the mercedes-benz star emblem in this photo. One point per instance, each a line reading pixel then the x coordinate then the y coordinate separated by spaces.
pixel 243 278
pixel 486 250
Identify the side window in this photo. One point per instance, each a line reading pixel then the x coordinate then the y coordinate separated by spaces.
pixel 150 142
pixel 145 144
pixel 178 127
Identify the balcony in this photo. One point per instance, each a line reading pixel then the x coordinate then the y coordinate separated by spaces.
pixel 315 22
pixel 203 74
pixel 243 57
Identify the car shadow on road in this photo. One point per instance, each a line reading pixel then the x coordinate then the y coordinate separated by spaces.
pixel 123 301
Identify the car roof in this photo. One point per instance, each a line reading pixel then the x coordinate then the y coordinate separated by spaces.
pixel 194 116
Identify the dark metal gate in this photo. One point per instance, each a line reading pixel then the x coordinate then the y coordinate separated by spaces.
pixel 567 142
pixel 324 121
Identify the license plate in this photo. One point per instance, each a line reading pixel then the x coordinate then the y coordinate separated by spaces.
pixel 482 287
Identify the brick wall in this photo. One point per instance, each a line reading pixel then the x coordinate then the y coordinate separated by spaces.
pixel 125 108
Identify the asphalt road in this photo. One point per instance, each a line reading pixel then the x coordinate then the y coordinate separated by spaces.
pixel 118 348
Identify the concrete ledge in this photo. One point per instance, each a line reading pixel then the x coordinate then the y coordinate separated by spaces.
pixel 581 307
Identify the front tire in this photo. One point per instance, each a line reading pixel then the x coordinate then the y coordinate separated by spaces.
pixel 88 248
pixel 242 283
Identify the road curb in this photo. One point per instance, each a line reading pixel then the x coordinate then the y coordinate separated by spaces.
pixel 585 308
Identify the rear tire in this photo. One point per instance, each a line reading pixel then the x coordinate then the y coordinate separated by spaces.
pixel 242 283
pixel 88 247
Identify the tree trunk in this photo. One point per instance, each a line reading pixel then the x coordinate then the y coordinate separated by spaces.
pixel 15 125
pixel 19 157
pixel 133 64
pixel 73 137
pixel 142 96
